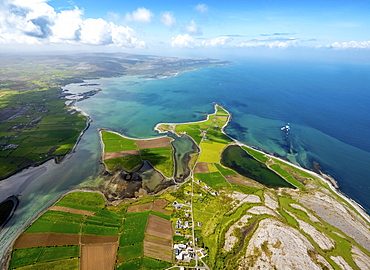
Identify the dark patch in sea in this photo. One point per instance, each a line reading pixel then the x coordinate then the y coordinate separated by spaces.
pixel 236 126
pixel 238 104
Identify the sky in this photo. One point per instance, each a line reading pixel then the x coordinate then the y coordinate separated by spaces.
pixel 185 26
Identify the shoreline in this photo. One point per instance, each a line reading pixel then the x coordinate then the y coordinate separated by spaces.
pixel 358 207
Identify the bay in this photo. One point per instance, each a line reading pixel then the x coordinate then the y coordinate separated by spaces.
pixel 326 104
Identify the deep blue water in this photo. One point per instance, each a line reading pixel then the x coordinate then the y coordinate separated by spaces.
pixel 326 103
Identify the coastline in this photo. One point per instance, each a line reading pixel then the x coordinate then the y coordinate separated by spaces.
pixel 360 210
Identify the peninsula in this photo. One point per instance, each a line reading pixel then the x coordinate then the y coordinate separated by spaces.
pixel 196 197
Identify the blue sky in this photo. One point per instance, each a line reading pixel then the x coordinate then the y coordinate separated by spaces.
pixel 184 27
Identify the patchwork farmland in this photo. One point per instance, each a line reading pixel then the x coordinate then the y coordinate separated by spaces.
pixel 80 232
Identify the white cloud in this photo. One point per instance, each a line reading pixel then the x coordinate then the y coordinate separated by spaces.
pixel 67 25
pixel 270 44
pixel 96 32
pixel 215 42
pixel 187 41
pixel 202 8
pixel 349 45
pixel 36 22
pixel 193 29
pixel 183 41
pixel 140 15
pixel 168 19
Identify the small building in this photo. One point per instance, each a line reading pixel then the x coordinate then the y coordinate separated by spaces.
pixel 182 246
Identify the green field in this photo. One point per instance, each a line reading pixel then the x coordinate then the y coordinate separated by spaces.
pixel 131 252
pixel 90 201
pixel 160 158
pixel 63 264
pixel 43 226
pixel 57 216
pixel 144 263
pixel 28 256
pixel 100 230
pixel 114 142
pixel 133 230
pixel 214 180
pixel 211 151
pixel 128 163
pixel 225 171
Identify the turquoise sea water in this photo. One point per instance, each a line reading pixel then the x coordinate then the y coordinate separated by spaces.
pixel 326 104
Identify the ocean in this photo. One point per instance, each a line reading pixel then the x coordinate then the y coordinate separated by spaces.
pixel 325 103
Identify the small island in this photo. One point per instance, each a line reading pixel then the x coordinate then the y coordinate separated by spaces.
pixel 196 197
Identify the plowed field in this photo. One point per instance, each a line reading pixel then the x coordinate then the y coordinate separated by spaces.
pixel 71 210
pixel 201 167
pixel 28 240
pixel 98 257
pixel 156 143
pixel 110 155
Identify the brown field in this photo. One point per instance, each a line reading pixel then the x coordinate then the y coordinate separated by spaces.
pixel 156 143
pixel 201 167
pixel 98 257
pixel 157 206
pixel 28 240
pixel 140 207
pixel 160 203
pixel 71 210
pixel 98 239
pixel 240 180
pixel 110 155
pixel 158 248
pixel 159 227
pixel 222 117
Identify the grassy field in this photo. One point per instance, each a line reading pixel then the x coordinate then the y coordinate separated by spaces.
pixel 211 151
pixel 43 226
pixel 128 253
pixel 114 142
pixel 90 201
pixel 144 263
pixel 225 171
pixel 128 163
pixel 133 229
pixel 30 256
pixel 161 158
pixel 214 180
